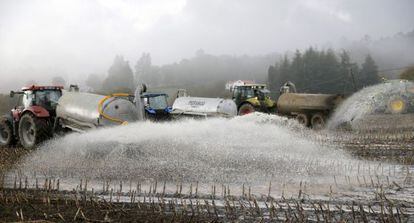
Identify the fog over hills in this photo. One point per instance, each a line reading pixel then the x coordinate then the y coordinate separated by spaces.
pixel 72 39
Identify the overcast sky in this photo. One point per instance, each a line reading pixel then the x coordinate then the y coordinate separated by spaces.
pixel 76 37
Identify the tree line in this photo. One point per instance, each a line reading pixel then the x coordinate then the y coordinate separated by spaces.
pixel 202 75
pixel 394 51
pixel 323 71
pixel 313 71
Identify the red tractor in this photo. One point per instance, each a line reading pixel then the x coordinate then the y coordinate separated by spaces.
pixel 32 120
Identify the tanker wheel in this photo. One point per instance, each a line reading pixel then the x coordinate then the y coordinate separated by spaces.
pixel 6 134
pixel 246 109
pixel 318 121
pixel 303 119
pixel 33 130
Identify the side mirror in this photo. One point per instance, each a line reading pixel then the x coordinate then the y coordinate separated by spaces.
pixel 12 94
pixel 143 88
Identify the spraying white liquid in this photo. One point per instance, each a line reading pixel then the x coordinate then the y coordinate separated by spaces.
pixel 374 100
pixel 138 101
pixel 250 148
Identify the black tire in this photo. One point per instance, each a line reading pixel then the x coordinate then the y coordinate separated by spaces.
pixel 7 138
pixel 246 109
pixel 318 121
pixel 33 130
pixel 303 119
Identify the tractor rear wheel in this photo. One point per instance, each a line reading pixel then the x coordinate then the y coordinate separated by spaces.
pixel 318 121
pixel 303 119
pixel 6 134
pixel 246 109
pixel 33 130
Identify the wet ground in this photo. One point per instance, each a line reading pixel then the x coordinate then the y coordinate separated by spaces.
pixel 376 186
pixel 252 168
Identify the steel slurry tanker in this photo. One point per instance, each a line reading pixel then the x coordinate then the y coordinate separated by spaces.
pixel 46 110
pixel 80 111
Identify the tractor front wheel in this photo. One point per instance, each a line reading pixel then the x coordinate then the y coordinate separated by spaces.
pixel 33 130
pixel 6 134
pixel 246 109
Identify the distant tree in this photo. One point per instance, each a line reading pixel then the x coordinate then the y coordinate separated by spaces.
pixel 284 70
pixel 200 53
pixel 348 70
pixel 318 71
pixel 143 68
pixel 297 69
pixel 58 80
pixel 408 74
pixel 310 71
pixel 345 69
pixel 120 77
pixel 271 78
pixel 369 72
pixel 203 74
pixel 331 79
pixel 94 82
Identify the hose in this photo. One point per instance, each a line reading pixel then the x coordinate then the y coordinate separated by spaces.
pixel 100 108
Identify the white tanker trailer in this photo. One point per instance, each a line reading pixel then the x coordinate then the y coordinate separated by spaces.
pixel 207 107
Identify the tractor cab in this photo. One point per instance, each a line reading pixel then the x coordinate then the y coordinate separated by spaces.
pixel 43 98
pixel 244 92
pixel 156 106
pixel 252 97
pixel 32 120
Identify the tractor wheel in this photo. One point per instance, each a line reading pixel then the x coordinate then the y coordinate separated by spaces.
pixel 6 134
pixel 246 109
pixel 33 131
pixel 318 121
pixel 303 119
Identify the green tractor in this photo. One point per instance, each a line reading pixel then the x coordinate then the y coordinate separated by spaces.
pixel 252 97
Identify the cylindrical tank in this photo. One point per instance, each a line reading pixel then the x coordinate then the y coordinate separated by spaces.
pixel 80 111
pixel 204 106
pixel 299 102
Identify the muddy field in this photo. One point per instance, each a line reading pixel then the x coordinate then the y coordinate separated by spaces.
pixel 381 192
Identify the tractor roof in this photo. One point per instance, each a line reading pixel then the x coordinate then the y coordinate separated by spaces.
pixel 253 85
pixel 40 88
pixel 144 95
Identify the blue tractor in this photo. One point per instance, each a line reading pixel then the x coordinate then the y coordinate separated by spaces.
pixel 156 106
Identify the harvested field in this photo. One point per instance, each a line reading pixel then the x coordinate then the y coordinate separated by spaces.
pixel 364 197
pixel 54 205
pixel 318 177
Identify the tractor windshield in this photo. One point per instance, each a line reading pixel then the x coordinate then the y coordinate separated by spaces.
pixel 243 92
pixel 158 102
pixel 265 92
pixel 47 98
